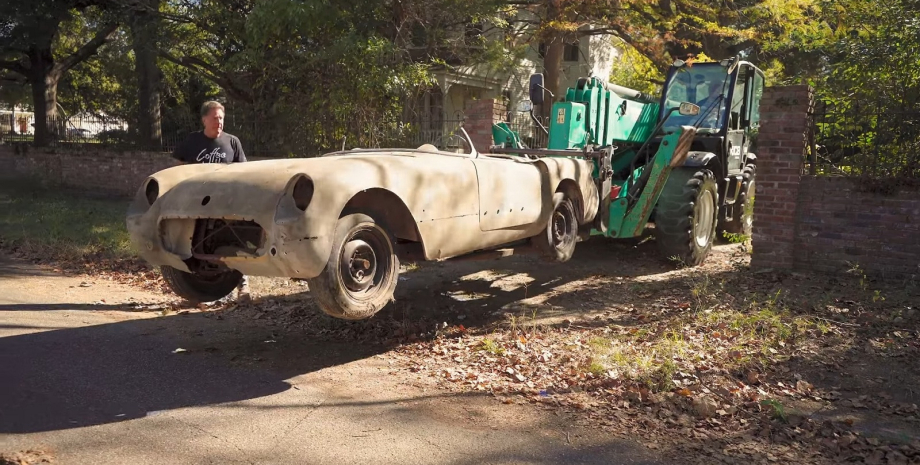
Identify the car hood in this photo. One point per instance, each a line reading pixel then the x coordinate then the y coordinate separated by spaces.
pixel 242 190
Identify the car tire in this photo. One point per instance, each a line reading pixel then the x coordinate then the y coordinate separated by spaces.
pixel 556 242
pixel 743 208
pixel 201 288
pixel 686 216
pixel 345 289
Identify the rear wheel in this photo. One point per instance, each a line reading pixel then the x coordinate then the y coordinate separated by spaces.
pixel 743 209
pixel 686 216
pixel 556 242
pixel 361 274
pixel 201 287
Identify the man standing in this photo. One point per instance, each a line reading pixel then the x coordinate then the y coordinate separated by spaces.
pixel 213 145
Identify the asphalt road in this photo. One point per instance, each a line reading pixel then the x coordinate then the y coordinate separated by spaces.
pixel 85 378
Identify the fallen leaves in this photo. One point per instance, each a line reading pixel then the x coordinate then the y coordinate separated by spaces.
pixel 690 363
pixel 721 375
pixel 26 457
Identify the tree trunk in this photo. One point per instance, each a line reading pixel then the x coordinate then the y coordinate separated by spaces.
pixel 552 67
pixel 44 98
pixel 144 34
pixel 554 40
pixel 44 74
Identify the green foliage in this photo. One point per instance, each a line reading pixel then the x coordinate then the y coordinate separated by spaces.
pixel 307 75
pixel 864 61
pixel 104 83
pixel 280 63
pixel 15 93
pixel 636 71
pixel 492 347
pixel 777 409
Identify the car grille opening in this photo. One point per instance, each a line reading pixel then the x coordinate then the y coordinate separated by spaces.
pixel 216 238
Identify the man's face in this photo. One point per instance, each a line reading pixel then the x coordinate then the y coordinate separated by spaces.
pixel 214 121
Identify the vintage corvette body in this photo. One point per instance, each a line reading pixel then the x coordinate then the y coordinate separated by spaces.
pixel 206 225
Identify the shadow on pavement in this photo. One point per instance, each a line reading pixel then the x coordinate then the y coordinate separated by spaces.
pixel 21 307
pixel 105 373
pixel 70 378
pixel 13 268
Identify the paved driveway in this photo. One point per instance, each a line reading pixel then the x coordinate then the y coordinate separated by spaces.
pixel 87 379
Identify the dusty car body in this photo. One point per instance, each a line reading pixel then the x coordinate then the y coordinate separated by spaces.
pixel 344 220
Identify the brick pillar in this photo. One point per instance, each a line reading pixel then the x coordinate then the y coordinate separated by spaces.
pixel 480 115
pixel 781 143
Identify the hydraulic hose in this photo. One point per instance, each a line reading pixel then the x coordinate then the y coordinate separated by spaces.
pixel 630 94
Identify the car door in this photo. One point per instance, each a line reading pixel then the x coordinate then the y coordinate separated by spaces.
pixel 510 192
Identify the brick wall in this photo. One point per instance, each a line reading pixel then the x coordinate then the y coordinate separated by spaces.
pixel 480 115
pixel 839 225
pixel 780 146
pixel 817 223
pixel 105 172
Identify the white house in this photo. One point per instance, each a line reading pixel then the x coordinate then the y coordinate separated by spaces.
pixel 440 110
pixel 17 121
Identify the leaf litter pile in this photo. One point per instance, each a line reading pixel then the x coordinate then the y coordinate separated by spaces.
pixel 97 265
pixel 755 367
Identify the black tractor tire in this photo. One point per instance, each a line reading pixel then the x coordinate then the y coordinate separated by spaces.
pixel 743 209
pixel 686 216
pixel 200 288
pixel 362 270
pixel 556 242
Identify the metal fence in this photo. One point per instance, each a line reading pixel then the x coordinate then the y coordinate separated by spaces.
pixel 292 137
pixel 531 134
pixel 77 129
pixel 864 139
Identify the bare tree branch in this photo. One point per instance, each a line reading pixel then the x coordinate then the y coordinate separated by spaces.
pixel 13 78
pixel 84 52
pixel 204 69
pixel 14 66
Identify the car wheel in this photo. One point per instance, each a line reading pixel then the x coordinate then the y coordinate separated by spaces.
pixel 198 287
pixel 686 216
pixel 556 242
pixel 361 274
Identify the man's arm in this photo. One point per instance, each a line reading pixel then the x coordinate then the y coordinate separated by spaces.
pixel 238 150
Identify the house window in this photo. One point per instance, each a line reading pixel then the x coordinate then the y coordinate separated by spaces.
pixel 569 53
pixel 432 109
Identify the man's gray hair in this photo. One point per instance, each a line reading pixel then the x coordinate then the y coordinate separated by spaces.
pixel 207 106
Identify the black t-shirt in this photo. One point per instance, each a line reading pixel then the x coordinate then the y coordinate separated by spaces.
pixel 199 148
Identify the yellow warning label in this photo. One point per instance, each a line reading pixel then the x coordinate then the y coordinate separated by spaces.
pixel 560 116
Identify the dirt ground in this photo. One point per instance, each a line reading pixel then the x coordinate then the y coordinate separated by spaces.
pixel 712 364
pixel 97 372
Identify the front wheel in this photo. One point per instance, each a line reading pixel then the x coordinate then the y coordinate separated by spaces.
pixel 556 242
pixel 197 288
pixel 686 217
pixel 361 274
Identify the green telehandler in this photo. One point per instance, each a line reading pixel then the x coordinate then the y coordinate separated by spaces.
pixel 682 161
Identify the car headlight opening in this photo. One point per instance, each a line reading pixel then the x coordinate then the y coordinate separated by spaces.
pixel 152 190
pixel 302 193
